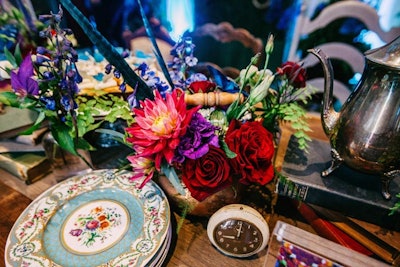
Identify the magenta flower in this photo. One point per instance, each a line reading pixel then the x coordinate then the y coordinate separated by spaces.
pixel 92 225
pixel 76 232
pixel 22 82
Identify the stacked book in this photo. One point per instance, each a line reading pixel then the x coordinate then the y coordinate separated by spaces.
pixel 348 191
pixel 22 155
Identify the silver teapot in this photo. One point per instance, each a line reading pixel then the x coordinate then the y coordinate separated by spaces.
pixel 365 133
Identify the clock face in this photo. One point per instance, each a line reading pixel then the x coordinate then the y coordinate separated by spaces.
pixel 237 237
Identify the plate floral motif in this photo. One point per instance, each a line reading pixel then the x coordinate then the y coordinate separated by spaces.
pixel 94 227
pixel 102 218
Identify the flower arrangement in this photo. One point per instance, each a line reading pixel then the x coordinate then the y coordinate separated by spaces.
pixel 207 133
pixel 204 132
pixel 46 80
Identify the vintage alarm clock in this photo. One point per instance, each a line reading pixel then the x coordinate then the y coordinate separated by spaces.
pixel 238 230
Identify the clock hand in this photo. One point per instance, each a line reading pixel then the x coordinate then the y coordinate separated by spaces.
pixel 239 230
pixel 228 236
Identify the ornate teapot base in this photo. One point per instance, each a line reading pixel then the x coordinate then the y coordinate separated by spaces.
pixel 385 177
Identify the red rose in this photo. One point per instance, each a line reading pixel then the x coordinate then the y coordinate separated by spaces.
pixel 208 174
pixel 202 86
pixel 294 73
pixel 254 147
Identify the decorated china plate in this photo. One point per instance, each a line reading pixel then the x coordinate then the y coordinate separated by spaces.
pixel 98 219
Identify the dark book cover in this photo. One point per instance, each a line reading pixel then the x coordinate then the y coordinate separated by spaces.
pixel 348 191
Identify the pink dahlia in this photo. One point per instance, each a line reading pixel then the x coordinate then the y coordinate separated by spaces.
pixel 160 123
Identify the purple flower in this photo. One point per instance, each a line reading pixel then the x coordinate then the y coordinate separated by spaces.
pixel 22 82
pixel 142 68
pixel 108 68
pixel 132 100
pixel 195 143
pixel 76 232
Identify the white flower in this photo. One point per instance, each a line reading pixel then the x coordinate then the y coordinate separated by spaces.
pixel 258 93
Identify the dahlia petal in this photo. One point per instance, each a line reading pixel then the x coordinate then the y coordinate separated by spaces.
pixel 148 178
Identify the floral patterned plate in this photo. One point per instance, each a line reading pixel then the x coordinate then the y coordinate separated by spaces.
pixel 97 219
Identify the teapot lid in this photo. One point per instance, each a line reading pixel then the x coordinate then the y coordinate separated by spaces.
pixel 388 55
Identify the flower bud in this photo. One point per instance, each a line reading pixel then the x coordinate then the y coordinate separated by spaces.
pixel 246 74
pixel 260 91
pixel 270 44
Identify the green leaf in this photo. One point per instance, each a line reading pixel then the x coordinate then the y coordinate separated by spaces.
pixel 62 136
pixel 84 145
pixel 38 123
pixel 9 99
pixel 10 57
pixel 229 153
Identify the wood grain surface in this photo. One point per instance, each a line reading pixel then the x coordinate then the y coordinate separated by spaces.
pixel 190 247
pixel 12 204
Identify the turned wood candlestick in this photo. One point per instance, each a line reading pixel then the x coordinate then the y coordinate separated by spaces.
pixel 212 98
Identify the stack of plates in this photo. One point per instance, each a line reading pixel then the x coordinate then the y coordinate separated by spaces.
pixel 98 219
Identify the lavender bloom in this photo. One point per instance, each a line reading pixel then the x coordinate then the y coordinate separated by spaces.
pixel 132 100
pixel 199 136
pixel 196 77
pixel 117 74
pixel 22 82
pixel 183 58
pixel 143 68
pixel 108 69
pixel 122 87
pixel 152 80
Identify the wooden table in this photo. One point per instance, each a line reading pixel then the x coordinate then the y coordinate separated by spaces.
pixel 190 247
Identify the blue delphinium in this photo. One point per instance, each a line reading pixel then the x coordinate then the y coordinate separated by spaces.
pixel 183 58
pixel 56 69
pixel 48 83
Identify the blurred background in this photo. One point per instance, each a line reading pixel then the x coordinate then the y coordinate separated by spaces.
pixel 171 19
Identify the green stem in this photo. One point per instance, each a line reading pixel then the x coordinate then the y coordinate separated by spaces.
pixel 264 70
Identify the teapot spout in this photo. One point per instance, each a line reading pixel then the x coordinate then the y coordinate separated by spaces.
pixel 329 116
